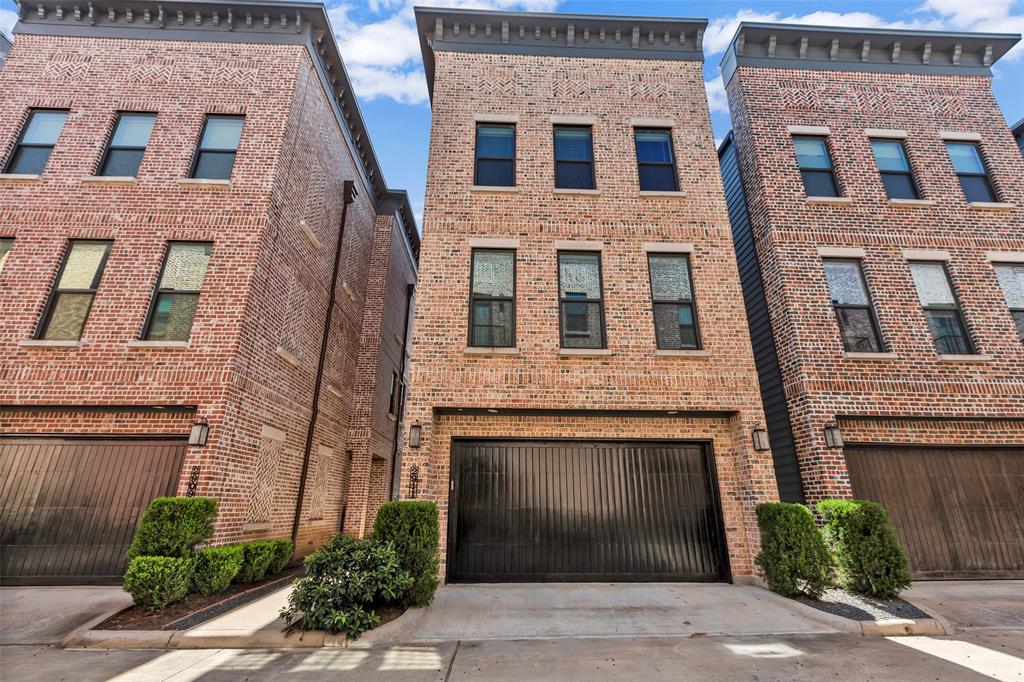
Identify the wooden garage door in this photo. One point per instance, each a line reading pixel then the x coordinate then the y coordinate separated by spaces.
pixel 582 511
pixel 68 507
pixel 959 512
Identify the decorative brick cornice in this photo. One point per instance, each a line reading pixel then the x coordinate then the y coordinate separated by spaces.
pixel 792 46
pixel 552 34
pixel 252 21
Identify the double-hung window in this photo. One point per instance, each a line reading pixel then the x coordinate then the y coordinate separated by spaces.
pixel 36 142
pixel 218 145
pixel 127 145
pixel 495 155
pixel 574 157
pixel 891 158
pixel 851 301
pixel 816 169
pixel 72 296
pixel 492 304
pixel 1011 279
pixel 177 295
pixel 5 248
pixel 970 169
pixel 941 308
pixel 580 299
pixel 655 160
pixel 675 320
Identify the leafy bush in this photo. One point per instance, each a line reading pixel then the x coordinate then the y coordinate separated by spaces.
pixel 215 568
pixel 793 555
pixel 257 556
pixel 412 527
pixel 156 581
pixel 283 550
pixel 173 526
pixel 867 552
pixel 346 580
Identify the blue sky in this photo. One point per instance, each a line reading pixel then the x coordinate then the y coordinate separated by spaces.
pixel 378 40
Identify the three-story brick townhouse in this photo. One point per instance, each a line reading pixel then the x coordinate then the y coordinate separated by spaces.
pixel 205 280
pixel 583 401
pixel 877 203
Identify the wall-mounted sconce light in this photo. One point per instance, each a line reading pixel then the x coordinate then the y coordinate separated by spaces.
pixel 415 435
pixel 833 437
pixel 761 440
pixel 199 433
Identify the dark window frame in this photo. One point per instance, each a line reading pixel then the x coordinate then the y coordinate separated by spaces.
pixel 671 164
pixel 593 172
pixel 55 290
pixel 655 302
pixel 831 170
pixel 986 173
pixel 199 145
pixel 395 397
pixel 157 290
pixel 870 306
pixel 1014 311
pixel 476 151
pixel 909 173
pixel 955 307
pixel 562 300
pixel 112 147
pixel 474 298
pixel 19 144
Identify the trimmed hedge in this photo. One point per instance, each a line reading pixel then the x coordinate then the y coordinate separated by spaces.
pixel 412 527
pixel 258 555
pixel 215 568
pixel 156 581
pixel 173 526
pixel 283 550
pixel 867 553
pixel 793 554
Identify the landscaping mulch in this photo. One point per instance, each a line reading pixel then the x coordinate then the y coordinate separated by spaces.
pixel 196 608
pixel 863 608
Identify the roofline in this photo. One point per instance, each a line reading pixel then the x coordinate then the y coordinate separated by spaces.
pixel 1018 127
pixel 910 33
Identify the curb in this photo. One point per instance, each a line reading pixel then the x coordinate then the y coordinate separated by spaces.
pixel 902 627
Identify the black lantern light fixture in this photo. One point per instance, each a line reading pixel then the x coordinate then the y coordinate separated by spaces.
pixel 833 437
pixel 761 443
pixel 199 433
pixel 415 435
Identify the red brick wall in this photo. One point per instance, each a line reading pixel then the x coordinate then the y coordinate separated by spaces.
pixel 820 382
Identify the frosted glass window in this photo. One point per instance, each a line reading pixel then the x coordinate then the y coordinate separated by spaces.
pixel 858 326
pixel 177 297
pixel 72 297
pixel 1011 279
pixel 492 299
pixel 675 323
pixel 5 249
pixel 941 308
pixel 580 300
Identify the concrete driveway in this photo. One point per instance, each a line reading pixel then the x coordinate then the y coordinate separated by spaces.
pixel 46 615
pixel 971 604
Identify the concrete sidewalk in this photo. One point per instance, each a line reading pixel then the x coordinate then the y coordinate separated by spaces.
pixel 46 615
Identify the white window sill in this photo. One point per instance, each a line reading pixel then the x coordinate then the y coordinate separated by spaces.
pixel 965 358
pixel 49 343
pixel 664 195
pixel 158 344
pixel 989 206
pixel 870 356
pixel 108 180
pixel 18 177
pixel 829 201
pixel 584 352
pixel 287 356
pixel 911 203
pixel 670 353
pixel 493 188
pixel 489 350
pixel 582 192
pixel 203 182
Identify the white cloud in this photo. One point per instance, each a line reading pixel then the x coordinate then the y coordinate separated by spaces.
pixel 986 16
pixel 7 21
pixel 715 91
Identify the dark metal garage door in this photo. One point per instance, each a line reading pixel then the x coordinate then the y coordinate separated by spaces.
pixel 959 512
pixel 583 511
pixel 68 507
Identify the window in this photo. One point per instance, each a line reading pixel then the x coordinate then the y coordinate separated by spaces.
pixel 177 296
pixel 71 299
pixel 127 145
pixel 970 169
pixel 492 305
pixel 5 248
pixel 218 145
pixel 574 157
pixel 580 300
pixel 675 323
pixel 941 308
pixel 815 167
pixel 655 160
pixel 395 404
pixel 495 155
pixel 891 157
pixel 36 142
pixel 1011 279
pixel 850 299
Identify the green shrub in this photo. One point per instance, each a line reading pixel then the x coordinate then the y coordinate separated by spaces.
pixel 346 580
pixel 215 567
pixel 156 581
pixel 283 550
pixel 412 527
pixel 173 526
pixel 867 552
pixel 793 555
pixel 256 559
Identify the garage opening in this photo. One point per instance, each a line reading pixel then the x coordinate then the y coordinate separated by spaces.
pixel 69 506
pixel 958 511
pixel 534 511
